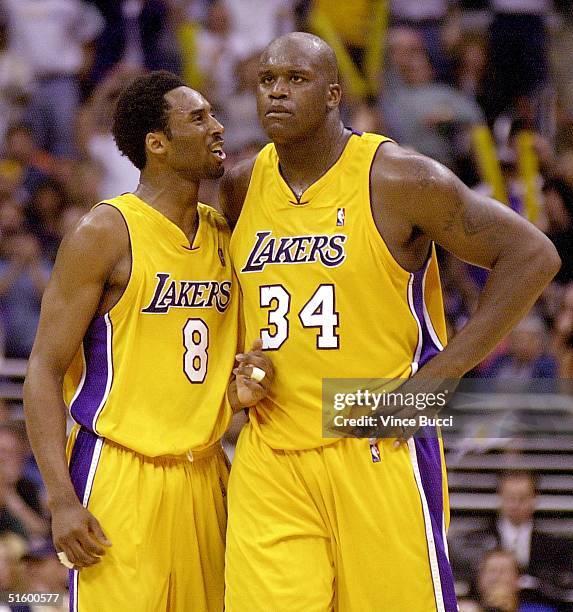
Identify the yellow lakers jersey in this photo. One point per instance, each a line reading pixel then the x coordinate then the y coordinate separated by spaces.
pixel 152 373
pixel 322 290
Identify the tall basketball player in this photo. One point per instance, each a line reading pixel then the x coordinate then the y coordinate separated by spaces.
pixel 334 250
pixel 139 326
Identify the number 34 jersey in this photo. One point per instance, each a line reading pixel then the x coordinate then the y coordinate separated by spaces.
pixel 152 373
pixel 322 290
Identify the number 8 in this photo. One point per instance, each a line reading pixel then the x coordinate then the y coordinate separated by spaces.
pixel 196 343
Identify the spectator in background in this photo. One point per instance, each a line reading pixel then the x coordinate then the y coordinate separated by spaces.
pixel 53 37
pixel 544 562
pixel 470 57
pixel 428 18
pixel 19 497
pixel 33 165
pixel 241 124
pixel 23 278
pixel 498 586
pixel 215 55
pixel 43 216
pixel 526 356
pixel 564 334
pixel 16 83
pixel 254 23
pixel 518 67
pixel 559 224
pixel 116 173
pixel 420 113
pixel 136 32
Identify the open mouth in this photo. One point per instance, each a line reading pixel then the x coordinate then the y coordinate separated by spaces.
pixel 217 150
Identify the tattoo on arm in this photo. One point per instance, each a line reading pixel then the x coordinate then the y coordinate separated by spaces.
pixel 477 220
pixel 472 220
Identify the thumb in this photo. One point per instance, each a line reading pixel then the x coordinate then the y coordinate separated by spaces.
pixel 257 345
pixel 98 532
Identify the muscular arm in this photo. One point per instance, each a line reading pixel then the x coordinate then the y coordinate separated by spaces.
pixel 432 201
pixel 234 187
pixel 85 262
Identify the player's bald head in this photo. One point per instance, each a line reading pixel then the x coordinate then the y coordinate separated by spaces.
pixel 303 46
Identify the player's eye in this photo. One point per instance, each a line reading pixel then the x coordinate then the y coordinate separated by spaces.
pixel 296 78
pixel 266 80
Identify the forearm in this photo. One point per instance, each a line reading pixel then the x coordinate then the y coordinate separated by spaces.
pixel 514 284
pixel 45 414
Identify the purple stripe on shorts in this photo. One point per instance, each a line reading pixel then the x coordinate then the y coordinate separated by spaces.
pixel 72 588
pixel 430 466
pixel 80 464
pixel 83 409
pixel 81 460
pixel 429 348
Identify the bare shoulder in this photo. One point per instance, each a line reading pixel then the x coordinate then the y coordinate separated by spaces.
pixel 233 189
pixel 99 240
pixel 398 170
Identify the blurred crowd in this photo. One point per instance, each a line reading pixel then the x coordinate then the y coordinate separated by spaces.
pixel 483 86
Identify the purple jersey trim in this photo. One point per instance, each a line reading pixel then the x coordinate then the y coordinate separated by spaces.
pixel 430 466
pixel 86 405
pixel 429 348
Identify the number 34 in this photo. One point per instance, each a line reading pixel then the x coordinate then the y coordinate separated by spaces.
pixel 319 312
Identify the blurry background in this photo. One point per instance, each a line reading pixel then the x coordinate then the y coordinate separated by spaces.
pixel 483 86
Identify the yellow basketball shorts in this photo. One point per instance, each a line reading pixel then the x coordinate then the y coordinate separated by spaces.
pixel 341 527
pixel 166 519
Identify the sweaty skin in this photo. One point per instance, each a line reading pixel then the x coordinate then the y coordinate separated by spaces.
pixel 91 272
pixel 415 200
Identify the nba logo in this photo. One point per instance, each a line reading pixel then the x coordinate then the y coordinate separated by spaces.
pixel 375 452
pixel 340 217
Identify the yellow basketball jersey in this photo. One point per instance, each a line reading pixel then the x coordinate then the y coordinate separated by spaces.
pixel 321 288
pixel 153 371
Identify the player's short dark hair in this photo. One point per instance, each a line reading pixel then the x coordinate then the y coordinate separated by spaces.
pixel 141 108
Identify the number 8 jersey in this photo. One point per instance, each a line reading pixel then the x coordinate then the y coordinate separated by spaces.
pixel 152 373
pixel 322 290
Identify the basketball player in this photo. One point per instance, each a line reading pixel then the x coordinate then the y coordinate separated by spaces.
pixel 139 325
pixel 334 249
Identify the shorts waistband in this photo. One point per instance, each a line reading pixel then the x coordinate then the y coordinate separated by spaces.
pixel 189 456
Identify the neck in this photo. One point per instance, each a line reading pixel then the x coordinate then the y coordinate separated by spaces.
pixel 172 196
pixel 304 161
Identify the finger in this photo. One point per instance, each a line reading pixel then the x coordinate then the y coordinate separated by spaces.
pixel 97 531
pixel 262 362
pixel 247 371
pixel 255 387
pixel 91 545
pixel 77 555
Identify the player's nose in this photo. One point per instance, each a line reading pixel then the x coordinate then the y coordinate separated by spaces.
pixel 279 90
pixel 216 126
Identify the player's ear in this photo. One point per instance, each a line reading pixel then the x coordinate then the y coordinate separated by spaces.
pixel 334 95
pixel 156 142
